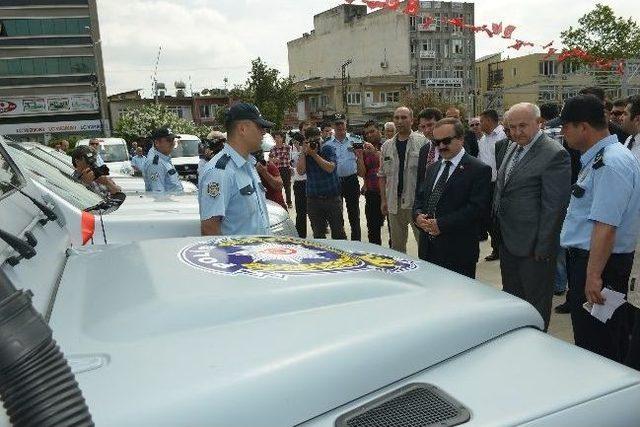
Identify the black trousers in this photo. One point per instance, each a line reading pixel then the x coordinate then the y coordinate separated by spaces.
pixel 427 251
pixel 633 354
pixel 374 216
pixel 323 211
pixel 589 333
pixel 300 194
pixel 351 194
pixel 491 225
pixel 530 280
pixel 285 173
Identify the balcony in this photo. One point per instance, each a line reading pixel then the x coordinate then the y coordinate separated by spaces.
pixel 427 54
pixel 380 107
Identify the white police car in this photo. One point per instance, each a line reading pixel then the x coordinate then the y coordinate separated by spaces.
pixel 278 331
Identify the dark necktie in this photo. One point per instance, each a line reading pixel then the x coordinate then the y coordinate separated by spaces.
pixel 438 189
pixel 514 163
pixel 631 142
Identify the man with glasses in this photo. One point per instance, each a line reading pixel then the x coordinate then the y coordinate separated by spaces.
pixel 95 144
pixel 451 202
pixel 159 174
pixel 231 195
pixel 472 136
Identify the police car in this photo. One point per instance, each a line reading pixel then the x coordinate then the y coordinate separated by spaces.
pixel 114 152
pixel 92 220
pixel 279 331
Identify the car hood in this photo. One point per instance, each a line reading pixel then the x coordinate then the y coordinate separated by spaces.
pixel 151 203
pixel 134 185
pixel 278 330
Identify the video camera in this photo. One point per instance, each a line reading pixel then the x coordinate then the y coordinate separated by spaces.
pixel 90 157
pixel 298 137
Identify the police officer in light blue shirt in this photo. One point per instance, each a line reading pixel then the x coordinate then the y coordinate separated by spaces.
pixel 602 224
pixel 159 174
pixel 231 195
pixel 345 147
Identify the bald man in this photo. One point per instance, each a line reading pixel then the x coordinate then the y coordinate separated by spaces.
pixel 532 194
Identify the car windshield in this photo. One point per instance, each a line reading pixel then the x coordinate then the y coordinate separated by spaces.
pixel 58 160
pixel 54 179
pixel 114 153
pixel 186 148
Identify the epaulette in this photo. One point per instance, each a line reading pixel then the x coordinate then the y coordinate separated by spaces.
pixel 156 159
pixel 598 162
pixel 222 161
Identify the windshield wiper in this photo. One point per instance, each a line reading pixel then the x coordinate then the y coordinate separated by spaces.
pixel 25 249
pixel 115 200
pixel 50 214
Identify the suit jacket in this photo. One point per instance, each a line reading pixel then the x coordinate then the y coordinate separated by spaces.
pixel 471 143
pixel 501 150
pixel 422 164
pixel 530 207
pixel 459 212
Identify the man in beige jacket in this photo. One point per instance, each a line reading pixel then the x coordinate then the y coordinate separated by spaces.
pixel 398 177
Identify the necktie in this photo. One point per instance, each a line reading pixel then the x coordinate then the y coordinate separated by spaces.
pixel 431 155
pixel 438 189
pixel 631 142
pixel 514 163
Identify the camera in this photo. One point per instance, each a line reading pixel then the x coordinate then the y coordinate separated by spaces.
pixel 358 145
pixel 90 158
pixel 259 158
pixel 296 136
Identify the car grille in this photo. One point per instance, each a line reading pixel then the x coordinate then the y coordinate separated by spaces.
pixel 415 405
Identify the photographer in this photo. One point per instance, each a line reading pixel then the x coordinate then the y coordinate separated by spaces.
pixel 324 203
pixel 270 178
pixel 299 184
pixel 87 171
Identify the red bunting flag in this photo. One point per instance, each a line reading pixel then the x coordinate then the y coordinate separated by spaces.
pixel 508 30
pixel 393 4
pixel 412 7
pixel 375 4
pixel 427 21
pixel 496 28
pixel 456 22
pixel 548 45
pixel 620 68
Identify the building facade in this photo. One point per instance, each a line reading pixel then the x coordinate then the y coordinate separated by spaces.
pixel 536 78
pixel 362 63
pixel 51 70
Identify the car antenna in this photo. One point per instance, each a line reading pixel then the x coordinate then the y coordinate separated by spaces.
pixel 51 215
pixel 24 249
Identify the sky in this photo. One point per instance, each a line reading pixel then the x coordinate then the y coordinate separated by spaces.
pixel 205 41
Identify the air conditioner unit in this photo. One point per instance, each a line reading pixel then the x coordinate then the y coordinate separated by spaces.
pixel 384 64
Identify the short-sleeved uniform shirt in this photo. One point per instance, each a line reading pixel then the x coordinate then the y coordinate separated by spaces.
pixel 607 191
pixel 346 163
pixel 159 174
pixel 138 162
pixel 230 188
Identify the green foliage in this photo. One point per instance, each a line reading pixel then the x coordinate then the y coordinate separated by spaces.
pixel 418 101
pixel 141 121
pixel 272 94
pixel 603 35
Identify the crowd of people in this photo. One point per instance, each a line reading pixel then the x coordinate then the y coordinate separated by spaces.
pixel 555 189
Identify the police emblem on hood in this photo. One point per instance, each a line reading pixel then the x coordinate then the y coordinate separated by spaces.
pixel 283 257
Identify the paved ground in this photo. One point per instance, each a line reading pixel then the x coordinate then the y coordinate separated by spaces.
pixel 487 272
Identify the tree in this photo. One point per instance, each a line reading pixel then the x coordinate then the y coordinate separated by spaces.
pixel 272 94
pixel 141 121
pixel 603 35
pixel 418 101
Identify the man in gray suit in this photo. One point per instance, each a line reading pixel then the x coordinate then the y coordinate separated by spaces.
pixel 532 194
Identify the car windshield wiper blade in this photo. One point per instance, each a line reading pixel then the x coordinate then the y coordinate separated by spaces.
pixel 50 214
pixel 25 249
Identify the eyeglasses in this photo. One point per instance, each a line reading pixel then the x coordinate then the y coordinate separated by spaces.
pixel 617 113
pixel 474 124
pixel 444 141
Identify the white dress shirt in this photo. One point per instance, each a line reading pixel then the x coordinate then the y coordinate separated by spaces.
pixel 635 150
pixel 487 149
pixel 454 164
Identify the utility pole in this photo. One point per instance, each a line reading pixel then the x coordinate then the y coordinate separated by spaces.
pixel 155 76
pixel 344 86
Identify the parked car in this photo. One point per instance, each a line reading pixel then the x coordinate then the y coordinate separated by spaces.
pixel 278 331
pixel 91 219
pixel 185 157
pixel 114 152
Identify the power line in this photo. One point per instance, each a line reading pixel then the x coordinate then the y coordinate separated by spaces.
pixel 146 70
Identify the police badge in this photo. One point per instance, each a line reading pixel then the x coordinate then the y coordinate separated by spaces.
pixel 213 189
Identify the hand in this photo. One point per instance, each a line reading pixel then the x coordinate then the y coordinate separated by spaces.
pixel 261 168
pixel 421 222
pixel 369 147
pixel 432 227
pixel 593 290
pixel 384 208
pixel 87 176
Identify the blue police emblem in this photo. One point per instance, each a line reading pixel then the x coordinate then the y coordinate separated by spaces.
pixel 283 257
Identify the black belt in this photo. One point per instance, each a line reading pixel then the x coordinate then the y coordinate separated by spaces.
pixel 344 178
pixel 323 197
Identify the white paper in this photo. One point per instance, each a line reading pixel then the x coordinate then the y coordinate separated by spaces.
pixel 604 312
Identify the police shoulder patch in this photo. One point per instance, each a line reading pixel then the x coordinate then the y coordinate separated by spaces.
pixel 222 161
pixel 213 189
pixel 156 159
pixel 598 162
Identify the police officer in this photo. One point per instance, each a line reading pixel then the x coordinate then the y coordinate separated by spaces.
pixel 347 167
pixel 159 173
pixel 231 195
pixel 602 223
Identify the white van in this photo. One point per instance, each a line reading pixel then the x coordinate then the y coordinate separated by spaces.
pixel 115 153
pixel 185 156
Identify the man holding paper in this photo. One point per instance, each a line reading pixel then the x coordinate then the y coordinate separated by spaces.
pixel 601 227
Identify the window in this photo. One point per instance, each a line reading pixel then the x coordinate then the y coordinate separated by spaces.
pixel 313 104
pixel 206 111
pixel 548 68
pixel 46 27
pixel 458 72
pixel 413 49
pixel 324 101
pixel 570 67
pixel 390 97
pixel 514 71
pixel 354 98
pixel 47 66
pixel 457 46
pixel 177 111
pixel 427 44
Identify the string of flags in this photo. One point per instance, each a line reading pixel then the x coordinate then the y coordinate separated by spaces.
pixel 412 8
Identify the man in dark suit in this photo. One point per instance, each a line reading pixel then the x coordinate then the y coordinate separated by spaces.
pixel 450 204
pixel 532 194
